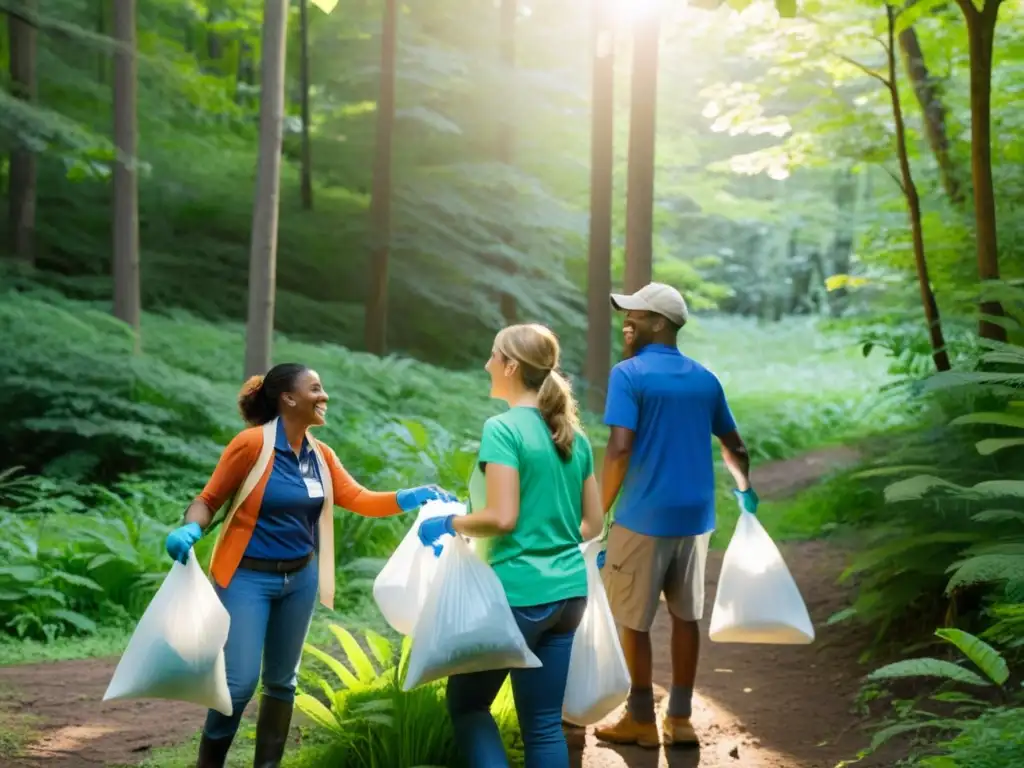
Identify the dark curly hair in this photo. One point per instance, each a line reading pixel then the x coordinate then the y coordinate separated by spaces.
pixel 259 400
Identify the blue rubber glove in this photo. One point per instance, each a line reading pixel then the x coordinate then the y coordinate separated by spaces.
pixel 600 558
pixel 413 498
pixel 181 540
pixel 747 499
pixel 433 528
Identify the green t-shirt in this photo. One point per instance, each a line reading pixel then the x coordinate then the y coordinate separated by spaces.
pixel 540 561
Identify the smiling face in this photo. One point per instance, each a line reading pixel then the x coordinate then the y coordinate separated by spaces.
pixel 638 330
pixel 307 402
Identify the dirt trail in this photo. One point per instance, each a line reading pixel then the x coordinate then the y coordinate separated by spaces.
pixel 756 706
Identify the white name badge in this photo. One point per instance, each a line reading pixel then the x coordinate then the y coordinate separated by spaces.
pixel 314 488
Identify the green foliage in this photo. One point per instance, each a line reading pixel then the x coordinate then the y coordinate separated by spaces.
pixel 77 403
pixel 994 739
pixel 63 573
pixel 975 733
pixel 370 721
pixel 953 527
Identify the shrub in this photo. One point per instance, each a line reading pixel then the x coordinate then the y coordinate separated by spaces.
pixel 371 721
pixel 973 733
pixel 63 573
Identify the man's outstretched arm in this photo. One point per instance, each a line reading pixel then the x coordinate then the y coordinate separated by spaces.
pixel 737 458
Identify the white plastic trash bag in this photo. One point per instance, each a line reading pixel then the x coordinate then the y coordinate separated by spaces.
pixel 598 676
pixel 466 624
pixel 177 650
pixel 400 589
pixel 757 600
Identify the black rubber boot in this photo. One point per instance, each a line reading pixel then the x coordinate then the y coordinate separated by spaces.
pixel 272 732
pixel 213 752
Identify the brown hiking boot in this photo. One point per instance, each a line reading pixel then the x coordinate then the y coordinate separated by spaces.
pixel 629 731
pixel 678 732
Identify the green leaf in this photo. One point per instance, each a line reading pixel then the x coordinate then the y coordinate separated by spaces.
pixel 994 444
pixel 786 8
pixel 927 668
pixel 982 655
pixel 342 672
pixel 381 648
pixel 899 729
pixel 53 594
pixel 100 560
pixel 998 516
pixel 77 620
pixel 76 580
pixel 318 713
pixel 356 655
pixel 1000 488
pixel 916 487
pixel 992 418
pixel 985 569
pixel 956 697
pixel 23 573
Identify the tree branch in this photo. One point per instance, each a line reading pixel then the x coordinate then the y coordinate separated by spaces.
pixel 865 69
pixel 897 179
pixel 969 10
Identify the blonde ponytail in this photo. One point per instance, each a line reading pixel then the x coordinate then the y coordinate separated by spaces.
pixel 535 347
pixel 560 412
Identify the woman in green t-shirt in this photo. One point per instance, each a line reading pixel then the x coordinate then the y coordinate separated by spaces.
pixel 534 499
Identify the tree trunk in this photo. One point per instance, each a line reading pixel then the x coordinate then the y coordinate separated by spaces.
pixel 506 130
pixel 934 112
pixel 981 27
pixel 602 160
pixel 245 74
pixel 931 308
pixel 102 55
pixel 307 169
pixel 22 174
pixel 380 204
pixel 214 45
pixel 127 301
pixel 640 176
pixel 263 252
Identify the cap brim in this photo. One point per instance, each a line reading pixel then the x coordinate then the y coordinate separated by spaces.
pixel 622 301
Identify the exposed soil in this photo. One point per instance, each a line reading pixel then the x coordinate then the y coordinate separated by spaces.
pixel 756 706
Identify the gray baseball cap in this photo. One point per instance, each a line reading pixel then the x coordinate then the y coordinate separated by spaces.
pixel 659 298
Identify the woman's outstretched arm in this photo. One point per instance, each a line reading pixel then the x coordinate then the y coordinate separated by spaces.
pixel 350 495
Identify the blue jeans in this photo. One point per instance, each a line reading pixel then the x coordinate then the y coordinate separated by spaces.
pixel 549 631
pixel 270 615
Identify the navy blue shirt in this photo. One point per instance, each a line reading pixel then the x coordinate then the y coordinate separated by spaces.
pixel 674 405
pixel 287 523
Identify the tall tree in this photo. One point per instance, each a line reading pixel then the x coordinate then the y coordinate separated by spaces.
pixel 307 168
pixel 506 131
pixel 22 176
pixel 929 96
pixel 602 156
pixel 642 128
pixel 380 204
pixel 263 249
pixel 127 300
pixel 931 307
pixel 981 31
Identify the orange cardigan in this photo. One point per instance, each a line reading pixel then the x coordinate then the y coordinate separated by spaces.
pixel 237 475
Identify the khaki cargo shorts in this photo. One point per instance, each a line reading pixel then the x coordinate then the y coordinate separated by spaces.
pixel 639 568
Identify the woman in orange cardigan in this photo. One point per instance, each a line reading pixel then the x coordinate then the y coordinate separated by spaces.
pixel 276 547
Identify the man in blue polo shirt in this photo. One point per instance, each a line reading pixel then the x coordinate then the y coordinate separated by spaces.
pixel 663 409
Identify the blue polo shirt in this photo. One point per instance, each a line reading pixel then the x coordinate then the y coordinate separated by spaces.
pixel 287 523
pixel 674 405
